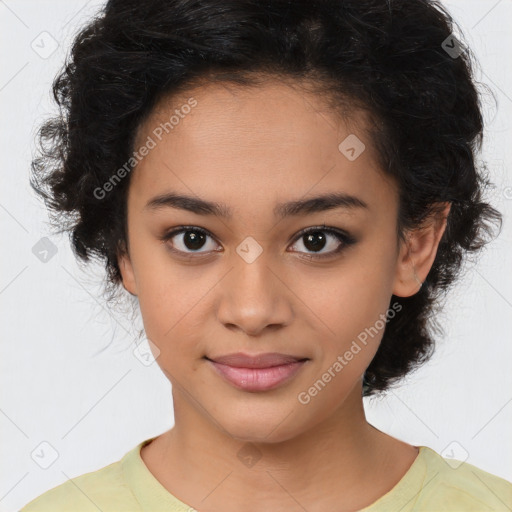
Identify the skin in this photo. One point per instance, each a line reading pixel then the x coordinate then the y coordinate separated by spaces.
pixel 251 148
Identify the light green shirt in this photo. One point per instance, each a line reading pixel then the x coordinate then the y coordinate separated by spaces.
pixel 431 484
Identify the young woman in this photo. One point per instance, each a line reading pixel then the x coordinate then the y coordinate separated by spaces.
pixel 288 188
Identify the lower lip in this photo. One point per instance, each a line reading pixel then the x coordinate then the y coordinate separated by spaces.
pixel 258 379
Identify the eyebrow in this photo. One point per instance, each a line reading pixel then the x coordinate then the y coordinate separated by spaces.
pixel 291 208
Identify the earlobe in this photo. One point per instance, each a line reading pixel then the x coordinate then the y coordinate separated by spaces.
pixel 128 276
pixel 417 254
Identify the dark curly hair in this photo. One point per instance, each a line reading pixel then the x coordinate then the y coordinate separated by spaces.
pixel 398 60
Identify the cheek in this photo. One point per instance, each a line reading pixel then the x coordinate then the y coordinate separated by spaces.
pixel 350 304
pixel 158 290
pixel 166 312
pixel 173 304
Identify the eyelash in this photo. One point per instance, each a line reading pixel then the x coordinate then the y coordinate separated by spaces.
pixel 345 239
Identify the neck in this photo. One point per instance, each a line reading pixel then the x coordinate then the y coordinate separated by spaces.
pixel 341 456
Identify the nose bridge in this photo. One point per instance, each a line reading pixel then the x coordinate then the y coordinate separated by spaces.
pixel 252 296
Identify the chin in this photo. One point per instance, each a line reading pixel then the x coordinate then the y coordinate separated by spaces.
pixel 263 426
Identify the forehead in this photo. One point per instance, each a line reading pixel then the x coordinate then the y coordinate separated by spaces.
pixel 268 140
pixel 270 114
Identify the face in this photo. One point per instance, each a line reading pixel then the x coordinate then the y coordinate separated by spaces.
pixel 256 276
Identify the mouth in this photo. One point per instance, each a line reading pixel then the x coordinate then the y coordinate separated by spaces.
pixel 261 372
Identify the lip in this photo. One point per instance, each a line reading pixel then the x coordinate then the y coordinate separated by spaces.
pixel 261 372
pixel 263 360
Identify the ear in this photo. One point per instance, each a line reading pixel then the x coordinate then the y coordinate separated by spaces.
pixel 418 252
pixel 126 269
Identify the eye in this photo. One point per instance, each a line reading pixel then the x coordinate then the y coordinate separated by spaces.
pixel 318 238
pixel 188 238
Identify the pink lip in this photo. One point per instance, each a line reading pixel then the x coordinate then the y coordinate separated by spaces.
pixel 257 373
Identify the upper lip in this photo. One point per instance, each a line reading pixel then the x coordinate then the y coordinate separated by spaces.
pixel 265 360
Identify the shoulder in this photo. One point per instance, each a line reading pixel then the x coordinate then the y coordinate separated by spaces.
pixel 451 485
pixel 104 489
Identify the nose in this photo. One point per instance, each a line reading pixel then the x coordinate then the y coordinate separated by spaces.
pixel 254 297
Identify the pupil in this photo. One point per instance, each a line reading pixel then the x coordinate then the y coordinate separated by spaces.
pixel 316 241
pixel 193 240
